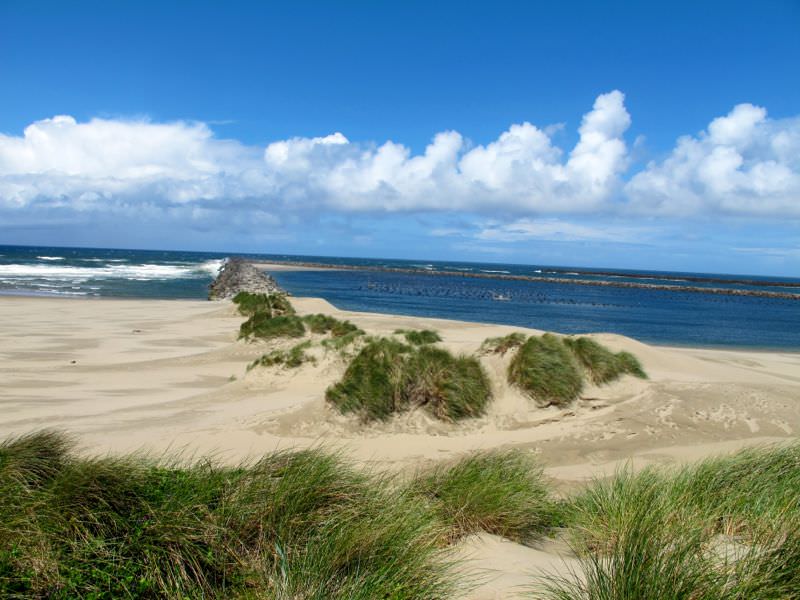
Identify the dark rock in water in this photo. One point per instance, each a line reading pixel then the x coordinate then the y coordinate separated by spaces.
pixel 238 275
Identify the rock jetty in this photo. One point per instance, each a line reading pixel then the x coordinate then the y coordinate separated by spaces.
pixel 759 293
pixel 239 275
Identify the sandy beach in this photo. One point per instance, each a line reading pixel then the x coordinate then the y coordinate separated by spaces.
pixel 165 376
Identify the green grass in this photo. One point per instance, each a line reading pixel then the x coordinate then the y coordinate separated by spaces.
pixel 387 377
pixel 500 492
pixel 419 337
pixel 343 343
pixel 308 525
pixel 546 371
pixel 602 365
pixel 274 305
pixel 501 345
pixel 722 528
pixel 319 323
pixel 449 387
pixel 261 325
pixel 290 359
pixel 294 525
pixel 372 384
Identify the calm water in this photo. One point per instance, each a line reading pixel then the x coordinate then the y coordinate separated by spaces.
pixel 666 317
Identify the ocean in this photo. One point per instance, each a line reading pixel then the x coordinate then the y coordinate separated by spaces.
pixel 471 291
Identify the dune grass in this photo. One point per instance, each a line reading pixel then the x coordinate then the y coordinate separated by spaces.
pixel 343 343
pixel 293 525
pixel 262 326
pixel 307 525
pixel 601 364
pixel 274 305
pixel 387 377
pixel 500 492
pixel 550 370
pixel 723 528
pixel 419 337
pixel 545 370
pixel 501 345
pixel 319 323
pixel 371 385
pixel 289 359
pixel 449 387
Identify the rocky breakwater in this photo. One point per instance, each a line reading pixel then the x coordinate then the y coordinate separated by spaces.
pixel 239 275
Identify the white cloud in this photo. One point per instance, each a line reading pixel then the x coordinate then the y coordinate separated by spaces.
pixel 744 163
pixel 100 163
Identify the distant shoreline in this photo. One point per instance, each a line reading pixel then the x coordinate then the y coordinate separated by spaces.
pixel 297 265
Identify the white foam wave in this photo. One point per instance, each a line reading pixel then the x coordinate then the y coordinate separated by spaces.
pixel 141 272
pixel 491 271
pixel 50 257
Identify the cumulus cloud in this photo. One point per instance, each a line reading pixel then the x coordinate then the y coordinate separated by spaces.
pixel 102 163
pixel 743 163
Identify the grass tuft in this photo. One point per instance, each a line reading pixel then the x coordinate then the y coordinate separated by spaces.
pixel 274 305
pixel 290 359
pixel 449 387
pixel 501 345
pixel 545 370
pixel 261 325
pixel 372 384
pixel 602 365
pixel 419 337
pixel 342 343
pixel 500 492
pixel 387 377
pixel 319 323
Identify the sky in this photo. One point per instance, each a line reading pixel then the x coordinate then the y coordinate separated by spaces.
pixel 649 135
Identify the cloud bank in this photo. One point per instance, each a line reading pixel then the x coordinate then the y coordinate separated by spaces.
pixel 743 163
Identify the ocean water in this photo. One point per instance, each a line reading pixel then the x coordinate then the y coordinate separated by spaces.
pixel 652 315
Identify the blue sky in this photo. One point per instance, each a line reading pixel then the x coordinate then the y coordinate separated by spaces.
pixel 618 134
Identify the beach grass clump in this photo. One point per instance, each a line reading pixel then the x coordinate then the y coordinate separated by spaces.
pixel 388 377
pixel 372 384
pixel 319 323
pixel 499 492
pixel 263 326
pixel 289 359
pixel 545 369
pixel 274 305
pixel 601 364
pixel 293 525
pixel 344 342
pixel 448 387
pixel 419 337
pixel 501 345
pixel 723 528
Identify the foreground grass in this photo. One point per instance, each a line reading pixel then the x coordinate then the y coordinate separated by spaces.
pixel 293 525
pixel 307 525
pixel 500 492
pixel 387 377
pixel 723 528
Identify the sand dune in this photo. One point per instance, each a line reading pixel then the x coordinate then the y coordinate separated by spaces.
pixel 167 375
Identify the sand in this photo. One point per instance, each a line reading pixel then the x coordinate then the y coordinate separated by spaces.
pixel 168 376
